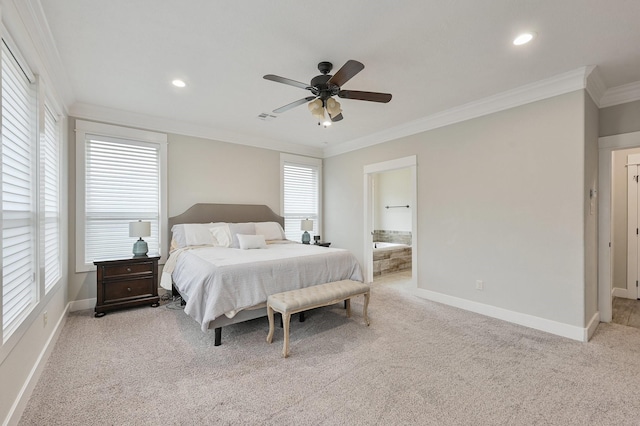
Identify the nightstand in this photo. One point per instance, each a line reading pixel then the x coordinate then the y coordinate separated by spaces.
pixel 124 283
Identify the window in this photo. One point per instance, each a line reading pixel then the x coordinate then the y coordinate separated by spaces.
pixel 121 178
pixel 50 196
pixel 301 189
pixel 19 285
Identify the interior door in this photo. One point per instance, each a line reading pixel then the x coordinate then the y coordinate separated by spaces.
pixel 633 227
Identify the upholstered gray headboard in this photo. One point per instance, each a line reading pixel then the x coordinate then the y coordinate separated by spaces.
pixel 232 213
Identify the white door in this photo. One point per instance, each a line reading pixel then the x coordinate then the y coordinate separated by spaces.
pixel 633 226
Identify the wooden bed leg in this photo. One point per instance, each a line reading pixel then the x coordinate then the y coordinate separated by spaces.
pixel 348 307
pixel 285 348
pixel 271 325
pixel 218 339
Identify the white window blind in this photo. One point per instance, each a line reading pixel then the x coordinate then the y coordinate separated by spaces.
pixel 19 291
pixel 122 185
pixel 301 196
pixel 50 164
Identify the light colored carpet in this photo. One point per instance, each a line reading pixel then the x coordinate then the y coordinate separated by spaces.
pixel 418 363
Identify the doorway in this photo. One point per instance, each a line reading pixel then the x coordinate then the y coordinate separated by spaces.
pixel 608 257
pixel 633 170
pixel 370 173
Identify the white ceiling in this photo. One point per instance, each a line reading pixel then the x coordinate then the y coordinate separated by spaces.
pixel 431 55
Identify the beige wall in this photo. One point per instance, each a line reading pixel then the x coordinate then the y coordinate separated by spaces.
pixel 199 171
pixel 392 188
pixel 500 198
pixel 618 119
pixel 207 171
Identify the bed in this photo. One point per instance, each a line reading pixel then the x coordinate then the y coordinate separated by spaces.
pixel 227 281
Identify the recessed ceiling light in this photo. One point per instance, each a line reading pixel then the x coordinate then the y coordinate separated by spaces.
pixel 178 83
pixel 524 38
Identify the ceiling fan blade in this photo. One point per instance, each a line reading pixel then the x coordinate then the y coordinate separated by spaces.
pixel 365 96
pixel 345 73
pixel 337 118
pixel 288 81
pixel 294 104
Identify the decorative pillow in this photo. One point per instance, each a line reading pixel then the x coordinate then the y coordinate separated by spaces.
pixel 221 235
pixel 192 234
pixel 270 230
pixel 240 228
pixel 251 241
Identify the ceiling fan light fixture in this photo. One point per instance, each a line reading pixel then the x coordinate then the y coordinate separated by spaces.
pixel 324 87
pixel 333 107
pixel 317 109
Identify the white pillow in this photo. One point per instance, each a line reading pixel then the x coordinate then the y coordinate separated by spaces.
pixel 251 241
pixel 240 228
pixel 192 234
pixel 221 235
pixel 270 230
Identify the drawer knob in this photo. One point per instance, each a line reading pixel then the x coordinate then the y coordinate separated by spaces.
pixel 128 269
pixel 128 288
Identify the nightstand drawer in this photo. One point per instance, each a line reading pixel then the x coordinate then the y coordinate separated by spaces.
pixel 118 291
pixel 114 271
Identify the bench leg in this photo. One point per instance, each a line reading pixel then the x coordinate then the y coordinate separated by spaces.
pixel 347 306
pixel 218 337
pixel 364 308
pixel 271 325
pixel 285 348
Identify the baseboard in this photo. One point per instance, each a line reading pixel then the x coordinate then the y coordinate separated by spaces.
pixel 81 305
pixel 542 324
pixel 34 375
pixel 592 326
pixel 619 292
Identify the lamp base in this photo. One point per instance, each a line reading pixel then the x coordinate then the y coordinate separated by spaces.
pixel 140 248
pixel 306 237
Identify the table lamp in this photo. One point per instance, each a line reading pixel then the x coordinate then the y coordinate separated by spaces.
pixel 306 225
pixel 140 229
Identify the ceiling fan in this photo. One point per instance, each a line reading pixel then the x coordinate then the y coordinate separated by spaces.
pixel 324 87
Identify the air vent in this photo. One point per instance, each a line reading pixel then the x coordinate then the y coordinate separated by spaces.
pixel 266 117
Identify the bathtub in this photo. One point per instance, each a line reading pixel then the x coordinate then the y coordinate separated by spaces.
pixel 390 257
pixel 382 245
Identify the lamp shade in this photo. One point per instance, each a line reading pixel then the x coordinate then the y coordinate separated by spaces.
pixel 139 229
pixel 306 225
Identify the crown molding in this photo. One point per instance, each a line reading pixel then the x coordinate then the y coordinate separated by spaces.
pixel 621 95
pixel 158 124
pixel 595 84
pixel 543 89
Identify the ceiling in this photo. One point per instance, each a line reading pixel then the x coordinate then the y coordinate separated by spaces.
pixel 432 55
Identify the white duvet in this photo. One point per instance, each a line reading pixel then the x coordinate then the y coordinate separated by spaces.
pixel 216 281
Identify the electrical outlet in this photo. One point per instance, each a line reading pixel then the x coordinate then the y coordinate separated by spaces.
pixel 45 318
pixel 479 285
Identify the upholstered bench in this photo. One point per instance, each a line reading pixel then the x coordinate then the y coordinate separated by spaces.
pixel 294 301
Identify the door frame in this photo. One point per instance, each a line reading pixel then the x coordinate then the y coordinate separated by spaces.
pixel 385 166
pixel 633 167
pixel 606 146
